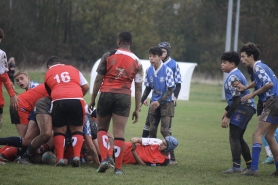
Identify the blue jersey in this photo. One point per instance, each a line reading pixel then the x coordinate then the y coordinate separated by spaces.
pixel 231 91
pixel 175 68
pixel 159 81
pixel 33 84
pixel 264 75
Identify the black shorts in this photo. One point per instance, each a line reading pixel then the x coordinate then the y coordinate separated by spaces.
pixel 1 110
pixel 113 103
pixel 43 105
pixel 14 116
pixel 68 112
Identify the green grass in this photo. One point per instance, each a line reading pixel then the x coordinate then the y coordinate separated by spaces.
pixel 203 151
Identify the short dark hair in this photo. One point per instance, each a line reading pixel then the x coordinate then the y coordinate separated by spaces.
pixel 231 56
pixel 156 51
pixel 125 37
pixel 1 34
pixel 251 49
pixel 52 61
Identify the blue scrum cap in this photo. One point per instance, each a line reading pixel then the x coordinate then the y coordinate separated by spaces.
pixel 172 143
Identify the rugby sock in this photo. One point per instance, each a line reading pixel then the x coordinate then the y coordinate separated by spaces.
pixel 236 164
pixel 11 141
pixel 256 150
pixel 145 133
pixel 119 144
pixel 102 143
pixel 59 143
pixel 110 151
pixel 248 164
pixel 77 142
pixel 10 153
pixel 29 152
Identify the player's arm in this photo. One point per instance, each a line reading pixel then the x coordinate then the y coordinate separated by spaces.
pixel 145 94
pixel 177 90
pixel 138 92
pixel 92 149
pixel 136 156
pixel 83 83
pixel 9 86
pixel 167 95
pixel 235 103
pixel 101 70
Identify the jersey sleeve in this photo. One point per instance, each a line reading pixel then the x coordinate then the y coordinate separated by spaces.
pixel 170 82
pixel 146 82
pixel 8 84
pixel 178 74
pixel 231 87
pixel 102 64
pixel 140 74
pixel 83 80
pixel 262 75
pixel 151 141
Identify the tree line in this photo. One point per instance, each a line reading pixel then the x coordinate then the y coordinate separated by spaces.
pixel 80 31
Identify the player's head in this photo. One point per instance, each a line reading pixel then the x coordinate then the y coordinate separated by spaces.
pixel 170 142
pixel 52 61
pixel 251 50
pixel 166 49
pixel 125 38
pixel 22 79
pixel 1 34
pixel 11 60
pixel 231 56
pixel 155 55
pixel 155 51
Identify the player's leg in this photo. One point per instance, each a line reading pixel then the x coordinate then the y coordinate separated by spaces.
pixel 104 115
pixel 269 158
pixel 120 116
pixel 273 145
pixel 154 119
pixel 59 122
pixel 146 129
pixel 75 120
pixel 44 124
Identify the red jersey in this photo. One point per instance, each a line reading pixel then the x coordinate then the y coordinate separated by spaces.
pixel 28 99
pixel 4 79
pixel 120 69
pixel 65 82
pixel 148 154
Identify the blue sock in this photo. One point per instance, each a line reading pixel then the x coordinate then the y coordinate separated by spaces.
pixel 256 150
pixel 276 165
pixel 11 141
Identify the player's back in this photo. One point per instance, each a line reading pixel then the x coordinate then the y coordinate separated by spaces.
pixel 64 82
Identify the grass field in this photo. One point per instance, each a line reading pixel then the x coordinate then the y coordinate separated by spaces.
pixel 203 151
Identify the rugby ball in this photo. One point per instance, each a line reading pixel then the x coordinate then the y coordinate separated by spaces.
pixel 49 158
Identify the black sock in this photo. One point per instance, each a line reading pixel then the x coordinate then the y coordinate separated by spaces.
pixel 145 133
pixel 29 152
pixel 11 141
pixel 172 154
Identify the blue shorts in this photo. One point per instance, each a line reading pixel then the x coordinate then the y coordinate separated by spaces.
pixel 270 111
pixel 242 115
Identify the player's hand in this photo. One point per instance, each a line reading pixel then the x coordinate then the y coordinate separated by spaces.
pixel 14 102
pixel 154 105
pixel 135 116
pixel 146 102
pixel 134 140
pixel 225 122
pixel 239 86
pixel 134 146
pixel 247 97
pixel 91 105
